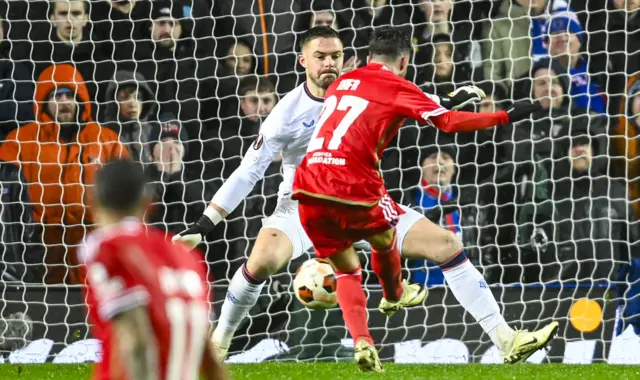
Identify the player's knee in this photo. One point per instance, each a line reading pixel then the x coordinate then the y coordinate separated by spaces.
pixel 383 240
pixel 269 255
pixel 450 244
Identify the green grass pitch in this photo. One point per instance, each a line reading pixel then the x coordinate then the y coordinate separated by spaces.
pixel 346 371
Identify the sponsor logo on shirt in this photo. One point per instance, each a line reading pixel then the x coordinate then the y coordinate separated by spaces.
pixel 259 141
pixel 326 159
pixel 310 124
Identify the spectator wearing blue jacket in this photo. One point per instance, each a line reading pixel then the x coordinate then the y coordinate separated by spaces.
pixel 565 40
pixel 435 189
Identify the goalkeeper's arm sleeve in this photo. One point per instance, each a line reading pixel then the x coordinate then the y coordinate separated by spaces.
pixel 461 121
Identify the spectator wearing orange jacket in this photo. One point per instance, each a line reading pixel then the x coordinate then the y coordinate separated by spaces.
pixel 59 155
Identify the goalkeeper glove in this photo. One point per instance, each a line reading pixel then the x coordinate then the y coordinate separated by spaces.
pixel 522 110
pixel 462 97
pixel 194 235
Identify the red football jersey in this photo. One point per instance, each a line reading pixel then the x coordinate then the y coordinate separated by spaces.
pixel 362 112
pixel 129 266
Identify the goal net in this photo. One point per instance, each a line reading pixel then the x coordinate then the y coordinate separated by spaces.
pixel 545 208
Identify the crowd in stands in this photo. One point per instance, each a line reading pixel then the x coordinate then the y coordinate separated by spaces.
pixel 183 86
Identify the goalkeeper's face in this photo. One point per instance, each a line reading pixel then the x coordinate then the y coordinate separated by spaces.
pixel 323 59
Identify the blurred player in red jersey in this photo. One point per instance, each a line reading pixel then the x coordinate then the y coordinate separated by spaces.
pixel 342 197
pixel 147 298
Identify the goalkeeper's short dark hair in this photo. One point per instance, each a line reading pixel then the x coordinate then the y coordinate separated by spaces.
pixel 389 41
pixel 317 32
pixel 121 186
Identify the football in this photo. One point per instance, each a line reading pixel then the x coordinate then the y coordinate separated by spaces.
pixel 315 285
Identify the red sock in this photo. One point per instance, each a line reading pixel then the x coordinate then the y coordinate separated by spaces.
pixel 353 303
pixel 386 265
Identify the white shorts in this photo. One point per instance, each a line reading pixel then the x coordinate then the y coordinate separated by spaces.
pixel 285 218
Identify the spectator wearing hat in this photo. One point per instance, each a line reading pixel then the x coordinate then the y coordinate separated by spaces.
pixel 565 40
pixel 168 62
pixel 60 154
pixel 130 106
pixel 435 190
pixel 515 36
pixel 179 194
pixel 69 39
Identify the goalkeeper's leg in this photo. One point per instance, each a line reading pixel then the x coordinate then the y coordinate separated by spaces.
pixel 273 250
pixel 426 240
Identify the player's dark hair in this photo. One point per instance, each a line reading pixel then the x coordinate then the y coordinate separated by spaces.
pixel 389 41
pixel 120 186
pixel 317 32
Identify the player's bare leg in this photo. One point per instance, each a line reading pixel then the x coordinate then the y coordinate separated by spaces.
pixel 385 261
pixel 271 252
pixel 353 303
pixel 426 240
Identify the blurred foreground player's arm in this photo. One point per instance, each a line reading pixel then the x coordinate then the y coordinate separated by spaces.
pixel 267 145
pixel 133 330
pixel 412 102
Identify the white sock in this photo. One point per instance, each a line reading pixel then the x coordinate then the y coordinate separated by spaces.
pixel 473 293
pixel 242 295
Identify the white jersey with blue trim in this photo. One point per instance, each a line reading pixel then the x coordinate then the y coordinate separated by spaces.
pixel 287 130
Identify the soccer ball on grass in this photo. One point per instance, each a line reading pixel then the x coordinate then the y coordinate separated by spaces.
pixel 315 285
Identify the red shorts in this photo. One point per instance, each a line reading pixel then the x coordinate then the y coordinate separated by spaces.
pixel 333 227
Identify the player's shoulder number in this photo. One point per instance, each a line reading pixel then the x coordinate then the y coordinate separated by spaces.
pixel 354 107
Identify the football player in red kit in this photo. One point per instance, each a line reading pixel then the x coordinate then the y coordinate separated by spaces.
pixel 147 298
pixel 342 197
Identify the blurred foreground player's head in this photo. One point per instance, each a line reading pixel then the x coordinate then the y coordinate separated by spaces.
pixel 390 46
pixel 322 57
pixel 120 192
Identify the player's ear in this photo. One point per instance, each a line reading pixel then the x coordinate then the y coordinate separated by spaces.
pixel 368 59
pixel 404 63
pixel 303 62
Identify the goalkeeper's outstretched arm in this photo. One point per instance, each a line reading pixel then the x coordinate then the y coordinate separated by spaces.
pixel 237 187
pixel 441 111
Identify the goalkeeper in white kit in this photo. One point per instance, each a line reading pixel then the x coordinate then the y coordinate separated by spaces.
pixel 288 130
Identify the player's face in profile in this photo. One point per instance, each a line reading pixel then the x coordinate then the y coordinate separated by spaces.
pixel 323 59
